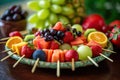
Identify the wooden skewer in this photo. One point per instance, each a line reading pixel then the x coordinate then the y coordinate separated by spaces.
pixel 2 42
pixel 4 39
pixel 73 64
pixel 7 57
pixel 18 61
pixel 106 57
pixel 93 61
pixel 6 51
pixel 108 50
pixel 35 65
pixel 58 69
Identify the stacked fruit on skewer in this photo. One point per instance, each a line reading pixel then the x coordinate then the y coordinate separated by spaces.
pixel 60 43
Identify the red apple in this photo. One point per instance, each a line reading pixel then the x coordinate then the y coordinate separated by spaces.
pixel 71 54
pixel 93 21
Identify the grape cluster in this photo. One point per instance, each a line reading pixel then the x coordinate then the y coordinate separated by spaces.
pixel 51 11
pixel 14 13
pixel 51 34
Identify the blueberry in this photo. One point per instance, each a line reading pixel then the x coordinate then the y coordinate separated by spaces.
pixel 78 33
pixel 12 7
pixel 46 34
pixel 39 54
pixel 3 17
pixel 50 38
pixel 7 13
pixel 53 32
pixel 61 41
pixel 8 18
pixel 16 17
pixel 18 9
pixel 46 30
pixel 74 30
pixel 56 38
pixel 24 14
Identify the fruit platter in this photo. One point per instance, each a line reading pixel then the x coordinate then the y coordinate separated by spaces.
pixel 58 43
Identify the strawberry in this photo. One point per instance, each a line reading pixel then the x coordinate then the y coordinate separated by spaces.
pixel 115 36
pixel 96 50
pixel 115 22
pixel 54 45
pixel 27 51
pixel 15 33
pixel 59 26
pixel 68 37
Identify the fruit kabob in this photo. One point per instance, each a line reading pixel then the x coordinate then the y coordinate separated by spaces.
pixel 60 44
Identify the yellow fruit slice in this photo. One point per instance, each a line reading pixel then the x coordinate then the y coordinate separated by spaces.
pixel 98 37
pixel 13 40
pixel 17 47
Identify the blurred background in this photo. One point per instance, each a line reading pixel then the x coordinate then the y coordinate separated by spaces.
pixel 109 9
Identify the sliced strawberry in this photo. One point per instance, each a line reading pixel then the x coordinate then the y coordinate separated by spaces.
pixel 93 43
pixel 68 37
pixel 59 26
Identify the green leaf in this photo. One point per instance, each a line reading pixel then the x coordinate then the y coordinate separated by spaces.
pixel 115 36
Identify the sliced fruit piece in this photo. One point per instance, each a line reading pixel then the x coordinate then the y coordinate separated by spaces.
pixel 59 26
pixel 77 41
pixel 98 37
pixel 13 40
pixel 18 47
pixel 50 53
pixel 78 27
pixel 40 43
pixel 55 56
pixel 88 31
pixel 92 43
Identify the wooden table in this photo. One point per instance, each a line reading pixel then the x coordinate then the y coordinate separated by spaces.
pixel 105 71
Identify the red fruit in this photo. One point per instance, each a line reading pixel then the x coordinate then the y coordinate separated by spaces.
pixel 27 51
pixel 93 21
pixel 68 37
pixel 15 33
pixel 115 36
pixel 96 50
pixel 54 45
pixel 116 22
pixel 59 26
pixel 71 54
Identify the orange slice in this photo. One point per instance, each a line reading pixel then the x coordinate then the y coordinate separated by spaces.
pixel 13 40
pixel 98 37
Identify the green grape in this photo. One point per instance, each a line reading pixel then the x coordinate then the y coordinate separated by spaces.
pixel 29 37
pixel 40 25
pixel 53 18
pixel 47 23
pixel 84 51
pixel 64 19
pixel 65 46
pixel 56 8
pixel 43 14
pixel 33 19
pixel 34 5
pixel 59 2
pixel 67 11
pixel 44 3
